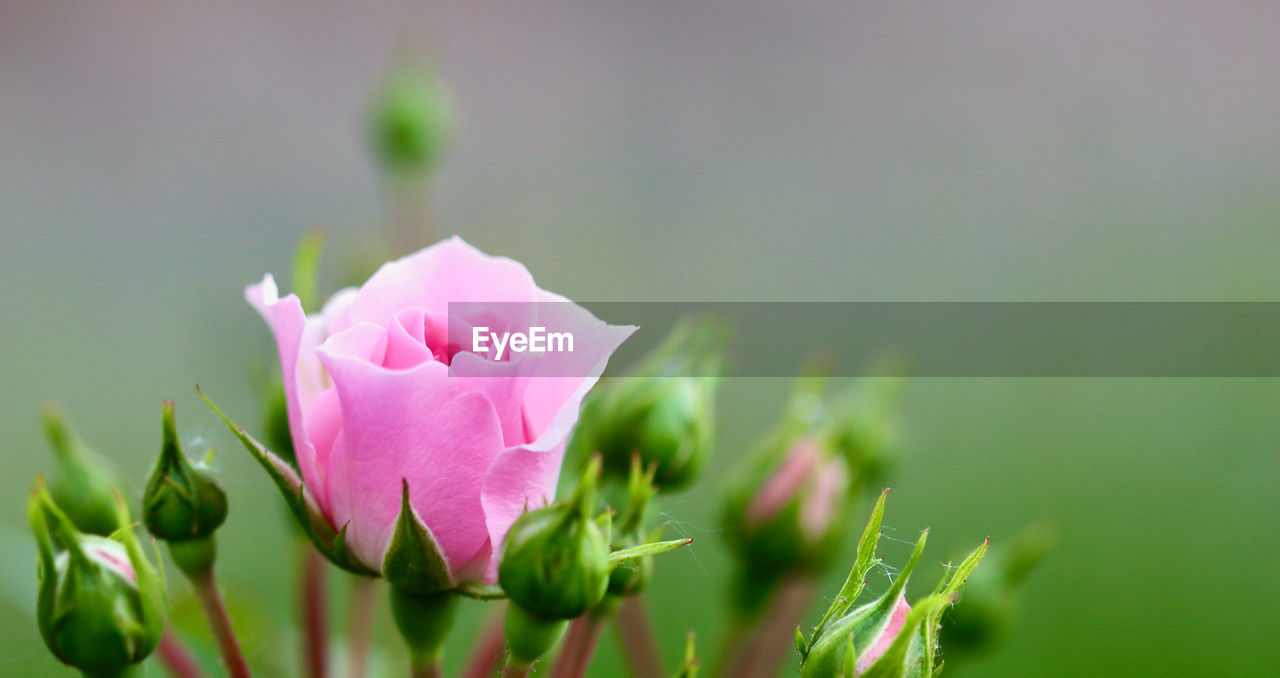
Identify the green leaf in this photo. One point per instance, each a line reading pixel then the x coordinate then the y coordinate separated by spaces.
pixel 651 549
pixel 413 561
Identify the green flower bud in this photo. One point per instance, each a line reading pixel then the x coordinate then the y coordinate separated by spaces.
pixel 101 604
pixel 664 410
pixel 82 484
pixel 788 509
pixel 182 502
pixel 412 121
pixel 555 561
pixel 867 426
pixel 885 638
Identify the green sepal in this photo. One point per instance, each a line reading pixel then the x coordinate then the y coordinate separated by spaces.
pixel 950 586
pixel 329 541
pixel 689 668
pixel 895 661
pixel 413 561
pixel 479 592
pixel 850 656
pixel 651 549
pixel 862 564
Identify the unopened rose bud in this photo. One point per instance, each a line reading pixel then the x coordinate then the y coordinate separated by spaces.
pixel 794 519
pixel 886 637
pixel 183 503
pixel 101 604
pixel 555 562
pixel 867 426
pixel 664 410
pixel 412 121
pixel 83 485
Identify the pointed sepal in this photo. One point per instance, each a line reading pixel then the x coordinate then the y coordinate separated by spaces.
pixel 328 540
pixel 413 561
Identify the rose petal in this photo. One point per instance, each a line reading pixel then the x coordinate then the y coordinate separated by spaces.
pixel 409 424
pixel 449 271
pixel 288 324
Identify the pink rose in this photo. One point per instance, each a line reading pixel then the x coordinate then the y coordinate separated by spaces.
pixel 373 404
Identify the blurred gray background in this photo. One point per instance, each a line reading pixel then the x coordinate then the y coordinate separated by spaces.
pixel 154 159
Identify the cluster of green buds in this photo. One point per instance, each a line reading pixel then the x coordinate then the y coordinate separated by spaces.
pixel 183 503
pixel 663 410
pixel 887 637
pixel 788 510
pixel 557 564
pixel 101 603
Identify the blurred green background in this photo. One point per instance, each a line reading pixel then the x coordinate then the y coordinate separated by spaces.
pixel 154 159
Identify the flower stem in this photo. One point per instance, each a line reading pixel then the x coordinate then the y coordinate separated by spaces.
pixel 423 667
pixel 638 642
pixel 315 613
pixel 487 656
pixel 220 623
pixel 176 657
pixel 762 651
pixel 579 645
pixel 360 625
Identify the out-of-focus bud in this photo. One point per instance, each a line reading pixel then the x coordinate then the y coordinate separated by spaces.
pixel 867 426
pixel 993 594
pixel 83 485
pixel 887 637
pixel 183 504
pixel 795 519
pixel 788 508
pixel 101 604
pixel 412 121
pixel 555 561
pixel 663 410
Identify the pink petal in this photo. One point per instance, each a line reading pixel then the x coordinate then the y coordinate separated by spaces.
pixel 409 424
pixel 297 360
pixel 449 271
pixel 886 637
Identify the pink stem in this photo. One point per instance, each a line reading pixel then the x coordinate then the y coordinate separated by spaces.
pixel 176 657
pixel 487 656
pixel 579 646
pixel 315 614
pixel 638 641
pixel 766 647
pixel 220 623
pixel 360 626
pixel 427 669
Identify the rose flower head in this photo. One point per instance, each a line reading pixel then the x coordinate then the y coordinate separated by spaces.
pixel 417 453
